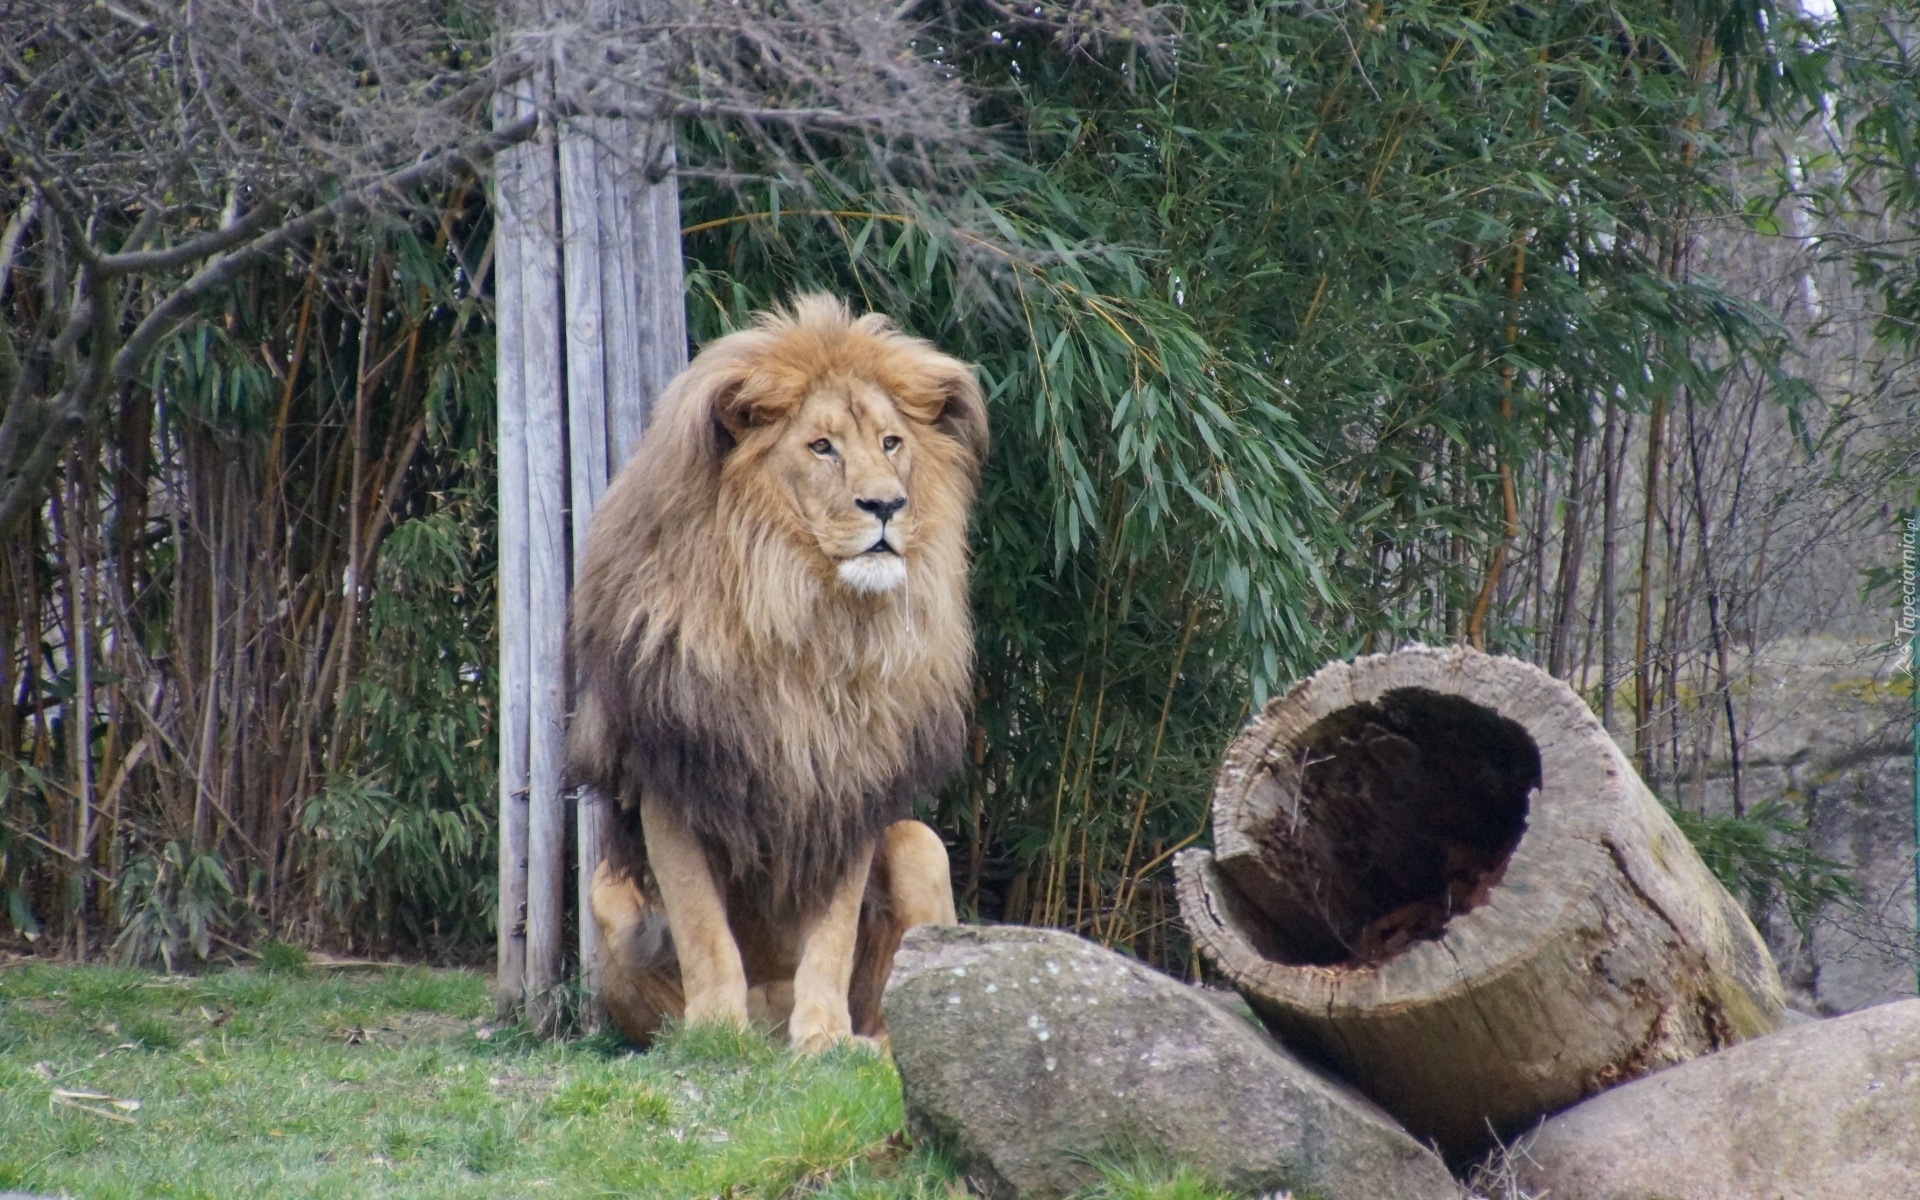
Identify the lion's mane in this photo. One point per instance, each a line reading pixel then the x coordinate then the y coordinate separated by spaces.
pixel 722 670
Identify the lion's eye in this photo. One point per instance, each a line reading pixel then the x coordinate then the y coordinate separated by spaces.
pixel 821 446
pixel 890 443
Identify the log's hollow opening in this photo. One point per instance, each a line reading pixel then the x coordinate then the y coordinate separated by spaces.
pixel 1406 811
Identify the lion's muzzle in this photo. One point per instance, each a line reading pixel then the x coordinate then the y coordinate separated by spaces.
pixel 879 569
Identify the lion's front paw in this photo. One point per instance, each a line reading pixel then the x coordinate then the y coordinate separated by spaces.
pixel 815 1032
pixel 819 1042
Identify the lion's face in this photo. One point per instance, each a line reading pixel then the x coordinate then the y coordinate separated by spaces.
pixel 844 460
pixel 804 480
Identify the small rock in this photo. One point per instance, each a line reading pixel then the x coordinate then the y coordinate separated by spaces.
pixel 1828 1110
pixel 1060 1052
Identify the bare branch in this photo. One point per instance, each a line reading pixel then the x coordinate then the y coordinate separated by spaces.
pixel 52 426
pixel 145 336
pixel 200 139
pixel 17 227
pixel 206 245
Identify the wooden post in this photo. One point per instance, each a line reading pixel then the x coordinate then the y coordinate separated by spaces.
pixel 660 282
pixel 1435 871
pixel 588 377
pixel 533 572
pixel 509 232
pixel 595 207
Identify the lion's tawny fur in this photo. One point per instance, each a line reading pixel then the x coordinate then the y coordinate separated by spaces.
pixel 725 669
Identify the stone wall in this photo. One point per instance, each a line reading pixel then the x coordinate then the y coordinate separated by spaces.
pixel 1826 725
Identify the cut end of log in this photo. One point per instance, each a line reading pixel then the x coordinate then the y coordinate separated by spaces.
pixel 1434 872
pixel 1404 814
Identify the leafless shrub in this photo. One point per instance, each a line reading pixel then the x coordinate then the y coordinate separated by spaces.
pixel 150 151
pixel 1497 1176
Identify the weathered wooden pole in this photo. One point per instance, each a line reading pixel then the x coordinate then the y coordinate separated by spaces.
pixel 588 351
pixel 625 341
pixel 511 588
pixel 1435 872
pixel 590 328
pixel 533 570
pixel 542 356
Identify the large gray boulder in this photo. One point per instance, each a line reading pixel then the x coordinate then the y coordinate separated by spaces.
pixel 1827 1110
pixel 1031 1054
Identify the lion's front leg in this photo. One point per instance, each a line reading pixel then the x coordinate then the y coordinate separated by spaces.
pixel 639 979
pixel 711 975
pixel 820 1015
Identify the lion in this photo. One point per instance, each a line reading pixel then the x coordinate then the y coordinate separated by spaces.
pixel 774 656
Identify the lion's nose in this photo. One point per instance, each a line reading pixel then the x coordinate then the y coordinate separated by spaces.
pixel 882 508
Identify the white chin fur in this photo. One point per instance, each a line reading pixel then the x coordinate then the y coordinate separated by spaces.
pixel 874 573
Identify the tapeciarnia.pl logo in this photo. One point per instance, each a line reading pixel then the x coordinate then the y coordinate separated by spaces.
pixel 1907 626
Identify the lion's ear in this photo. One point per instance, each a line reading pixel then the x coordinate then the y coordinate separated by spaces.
pixel 731 410
pixel 964 416
pixel 710 400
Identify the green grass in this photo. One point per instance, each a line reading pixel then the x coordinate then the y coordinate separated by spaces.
pixel 1146 1179
pixel 292 1083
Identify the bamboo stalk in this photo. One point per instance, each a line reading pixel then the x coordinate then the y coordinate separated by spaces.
pixel 347 630
pixel 1676 615
pixel 1125 891
pixel 12 677
pixel 977 798
pixel 1573 543
pixel 1509 508
pixel 1609 534
pixel 210 706
pixel 81 716
pixel 1543 484
pixel 239 568
pixel 1714 631
pixel 1642 624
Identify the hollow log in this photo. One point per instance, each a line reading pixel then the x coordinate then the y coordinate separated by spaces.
pixel 1436 873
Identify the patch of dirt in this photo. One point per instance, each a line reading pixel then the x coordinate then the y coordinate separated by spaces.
pixel 510 1084
pixel 40 1006
pixel 403 1029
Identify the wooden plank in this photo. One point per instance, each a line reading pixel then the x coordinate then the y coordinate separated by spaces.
pixel 511 598
pixel 664 344
pixel 659 284
pixel 589 356
pixel 638 345
pixel 620 260
pixel 541 366
pixel 580 208
pixel 596 190
pixel 590 367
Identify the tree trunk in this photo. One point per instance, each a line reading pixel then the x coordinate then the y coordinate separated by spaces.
pixel 1435 871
